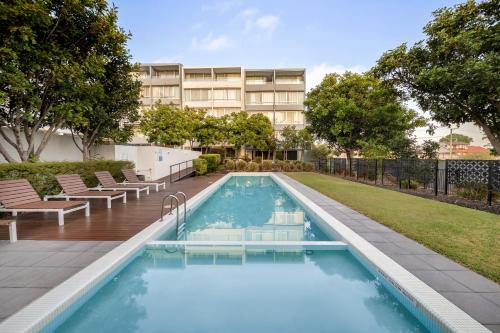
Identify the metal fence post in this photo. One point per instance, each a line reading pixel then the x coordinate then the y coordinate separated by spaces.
pixel 446 177
pixel 436 173
pixel 382 171
pixel 350 166
pixel 332 166
pixel 490 182
pixel 399 173
pixel 357 169
pixel 376 163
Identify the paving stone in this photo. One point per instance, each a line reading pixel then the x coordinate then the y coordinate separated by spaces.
pixel 411 262
pixel 18 298
pixel 493 328
pixel 493 297
pixel 373 237
pixel 57 259
pixel 478 307
pixel 440 282
pixel 441 263
pixel 23 259
pixel 84 259
pixel 82 246
pixel 52 276
pixel 474 281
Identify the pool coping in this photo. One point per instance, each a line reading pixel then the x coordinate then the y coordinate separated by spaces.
pixel 43 310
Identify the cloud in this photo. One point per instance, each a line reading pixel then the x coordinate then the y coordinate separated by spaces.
pixel 257 24
pixel 211 43
pixel 316 74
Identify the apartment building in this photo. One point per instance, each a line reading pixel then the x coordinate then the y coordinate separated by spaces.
pixel 276 93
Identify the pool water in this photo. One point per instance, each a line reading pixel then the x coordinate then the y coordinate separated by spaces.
pixel 251 208
pixel 238 290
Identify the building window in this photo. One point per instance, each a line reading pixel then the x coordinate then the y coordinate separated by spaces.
pixel 166 92
pixel 145 92
pixel 289 79
pixel 198 76
pixel 258 79
pixel 289 97
pixel 197 94
pixel 289 117
pixel 227 76
pixel 220 112
pixel 259 98
pixel 227 94
pixel 167 74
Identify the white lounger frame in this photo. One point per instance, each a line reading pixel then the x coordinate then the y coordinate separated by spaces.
pixel 70 196
pixel 156 185
pixel 137 190
pixel 12 230
pixel 60 211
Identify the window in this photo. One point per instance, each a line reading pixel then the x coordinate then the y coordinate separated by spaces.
pixel 165 92
pixel 227 94
pixel 259 98
pixel 289 117
pixel 219 112
pixel 197 94
pixel 289 79
pixel 167 74
pixel 289 97
pixel 227 77
pixel 198 76
pixel 145 92
pixel 258 79
pixel 144 75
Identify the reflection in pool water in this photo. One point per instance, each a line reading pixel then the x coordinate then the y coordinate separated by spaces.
pixel 238 290
pixel 250 208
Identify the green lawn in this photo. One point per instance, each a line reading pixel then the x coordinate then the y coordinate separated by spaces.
pixel 465 235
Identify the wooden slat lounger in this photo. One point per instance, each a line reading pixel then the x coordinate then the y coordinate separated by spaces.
pixel 19 196
pixel 109 183
pixel 133 180
pixel 74 188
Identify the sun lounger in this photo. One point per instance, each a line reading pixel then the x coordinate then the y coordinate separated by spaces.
pixel 19 196
pixel 132 179
pixel 11 223
pixel 109 183
pixel 74 188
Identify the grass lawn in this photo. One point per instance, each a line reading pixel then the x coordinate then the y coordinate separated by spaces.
pixel 465 235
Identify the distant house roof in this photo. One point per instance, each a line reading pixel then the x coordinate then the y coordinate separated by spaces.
pixel 477 149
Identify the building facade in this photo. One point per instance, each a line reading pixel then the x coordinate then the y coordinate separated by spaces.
pixel 276 93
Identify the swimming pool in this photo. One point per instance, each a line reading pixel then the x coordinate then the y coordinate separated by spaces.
pixel 243 290
pixel 252 208
pixel 270 283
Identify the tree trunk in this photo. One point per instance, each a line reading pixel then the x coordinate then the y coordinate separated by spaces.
pixel 494 140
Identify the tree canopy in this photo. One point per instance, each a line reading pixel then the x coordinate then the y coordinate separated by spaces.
pixel 351 111
pixel 454 72
pixel 456 137
pixel 429 149
pixel 51 55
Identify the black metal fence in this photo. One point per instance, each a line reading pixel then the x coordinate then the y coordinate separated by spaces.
pixel 435 176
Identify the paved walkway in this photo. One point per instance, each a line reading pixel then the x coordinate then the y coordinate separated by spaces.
pixel 476 295
pixel 28 269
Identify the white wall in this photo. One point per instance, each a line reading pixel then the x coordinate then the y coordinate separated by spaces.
pixel 59 148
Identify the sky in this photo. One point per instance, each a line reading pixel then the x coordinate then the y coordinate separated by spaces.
pixel 322 36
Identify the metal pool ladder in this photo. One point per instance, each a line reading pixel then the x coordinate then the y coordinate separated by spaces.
pixel 179 229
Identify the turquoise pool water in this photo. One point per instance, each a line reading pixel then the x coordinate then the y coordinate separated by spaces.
pixel 244 291
pixel 252 208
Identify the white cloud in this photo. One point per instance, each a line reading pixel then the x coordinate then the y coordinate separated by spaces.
pixel 316 74
pixel 211 43
pixel 258 24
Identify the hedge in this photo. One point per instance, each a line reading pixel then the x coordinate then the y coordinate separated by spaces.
pixel 200 166
pixel 213 161
pixel 42 174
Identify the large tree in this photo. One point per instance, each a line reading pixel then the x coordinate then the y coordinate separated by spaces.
pixel 454 72
pixel 210 131
pixel 348 111
pixel 113 98
pixel 456 137
pixel 289 139
pixel 165 124
pixel 46 49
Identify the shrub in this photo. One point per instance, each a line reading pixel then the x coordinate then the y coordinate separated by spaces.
pixel 213 161
pixel 230 165
pixel 413 184
pixel 258 160
pixel 308 167
pixel 200 166
pixel 267 165
pixel 471 190
pixel 241 165
pixel 252 167
pixel 285 166
pixel 42 174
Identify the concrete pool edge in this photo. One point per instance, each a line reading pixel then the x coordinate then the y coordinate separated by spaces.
pixel 45 309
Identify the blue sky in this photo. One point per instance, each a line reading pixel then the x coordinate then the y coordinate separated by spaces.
pixel 322 36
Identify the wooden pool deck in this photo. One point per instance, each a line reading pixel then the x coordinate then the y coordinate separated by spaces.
pixel 119 223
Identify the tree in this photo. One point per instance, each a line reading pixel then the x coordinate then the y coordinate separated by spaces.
pixel 46 48
pixel 350 110
pixel 114 102
pixel 453 73
pixel 320 152
pixel 304 140
pixel 289 139
pixel 456 138
pixel 165 125
pixel 209 132
pixel 193 122
pixel 254 131
pixel 429 149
